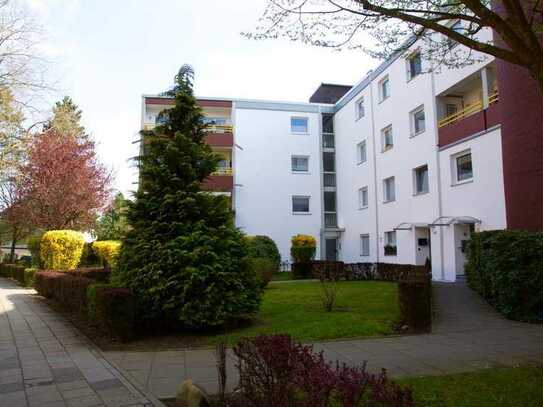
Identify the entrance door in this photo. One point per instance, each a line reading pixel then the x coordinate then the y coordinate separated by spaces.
pixel 331 249
pixel 422 243
pixel 462 234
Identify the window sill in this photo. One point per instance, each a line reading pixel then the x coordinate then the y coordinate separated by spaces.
pixel 413 135
pixel 458 183
pixel 299 133
pixel 301 172
pixel 361 162
pixel 391 255
pixel 386 202
pixel 364 255
pixel 421 193
pixel 384 150
pixel 383 100
pixel 301 213
pixel 361 208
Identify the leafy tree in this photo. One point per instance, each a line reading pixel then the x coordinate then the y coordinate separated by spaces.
pixel 183 257
pixel 112 224
pixel 66 118
pixel 383 27
pixel 63 185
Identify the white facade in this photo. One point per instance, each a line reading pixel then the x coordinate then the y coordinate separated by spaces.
pixel 399 182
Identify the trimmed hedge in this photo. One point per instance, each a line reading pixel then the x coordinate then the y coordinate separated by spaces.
pixel 264 247
pixel 107 251
pixel 61 249
pixel 506 268
pixel 111 309
pixel 115 311
pixel 33 244
pixel 98 274
pixel 264 269
pixel 415 298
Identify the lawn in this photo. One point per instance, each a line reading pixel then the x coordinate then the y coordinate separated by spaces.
pixel 366 308
pixel 520 386
pixel 282 276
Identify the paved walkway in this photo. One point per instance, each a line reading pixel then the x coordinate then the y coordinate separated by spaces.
pixel 46 362
pixel 467 335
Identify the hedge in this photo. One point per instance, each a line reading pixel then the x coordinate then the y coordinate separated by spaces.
pixel 61 249
pixel 264 247
pixel 111 309
pixel 107 251
pixel 506 268
pixel 303 248
pixel 33 244
pixel 264 269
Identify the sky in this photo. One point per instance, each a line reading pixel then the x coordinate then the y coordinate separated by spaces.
pixel 106 54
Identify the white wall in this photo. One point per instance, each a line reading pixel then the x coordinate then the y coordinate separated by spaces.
pixel 264 182
pixel 482 198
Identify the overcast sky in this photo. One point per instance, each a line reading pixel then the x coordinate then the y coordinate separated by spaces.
pixel 106 54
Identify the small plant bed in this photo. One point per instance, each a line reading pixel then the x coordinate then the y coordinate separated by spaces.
pixel 518 386
pixel 363 309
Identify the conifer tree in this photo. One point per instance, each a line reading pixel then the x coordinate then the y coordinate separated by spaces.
pixel 183 257
pixel 66 119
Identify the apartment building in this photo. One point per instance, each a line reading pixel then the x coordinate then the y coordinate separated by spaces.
pixel 400 168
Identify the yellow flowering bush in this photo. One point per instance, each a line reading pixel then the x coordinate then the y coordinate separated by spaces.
pixel 61 249
pixel 303 248
pixel 107 250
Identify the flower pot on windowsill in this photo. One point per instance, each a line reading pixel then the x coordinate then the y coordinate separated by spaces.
pixel 391 250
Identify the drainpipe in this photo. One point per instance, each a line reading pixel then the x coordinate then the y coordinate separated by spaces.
pixel 438 174
pixel 377 252
pixel 321 183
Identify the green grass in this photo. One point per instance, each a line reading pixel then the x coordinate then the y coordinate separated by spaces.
pixel 520 386
pixel 367 308
pixel 282 276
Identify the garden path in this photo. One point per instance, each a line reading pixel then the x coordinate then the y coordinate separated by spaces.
pixel 46 362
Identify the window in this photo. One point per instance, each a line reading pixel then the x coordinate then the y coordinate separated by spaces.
pixel 327 123
pixel 328 162
pixel 363 198
pixel 360 112
pixel 300 163
pixel 414 65
pixel 299 125
pixel 418 121
pixel 457 27
pixel 364 245
pixel 389 190
pixel 300 204
pixel 361 152
pixel 421 179
pixel 387 140
pixel 450 109
pixel 390 244
pixel 463 167
pixel 384 88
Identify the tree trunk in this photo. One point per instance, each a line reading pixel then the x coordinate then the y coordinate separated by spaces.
pixel 13 245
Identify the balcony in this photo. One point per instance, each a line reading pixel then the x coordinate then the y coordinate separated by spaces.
pixel 329 179
pixel 221 180
pixel 469 107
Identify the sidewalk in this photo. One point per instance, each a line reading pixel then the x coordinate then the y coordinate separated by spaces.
pixel 46 362
pixel 467 335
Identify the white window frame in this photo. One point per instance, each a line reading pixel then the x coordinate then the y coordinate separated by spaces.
pixel 382 96
pixel 308 205
pixel 415 180
pixel 384 146
pixel 386 198
pixel 361 203
pixel 299 118
pixel 360 110
pixel 412 56
pixel 294 171
pixel 365 253
pixel 412 121
pixel 361 158
pixel 454 167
